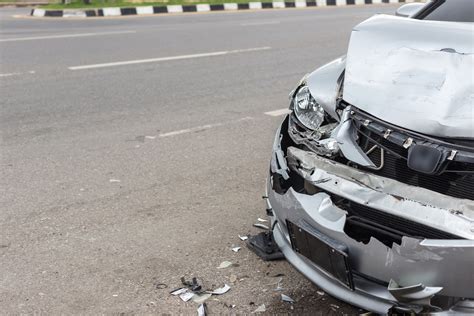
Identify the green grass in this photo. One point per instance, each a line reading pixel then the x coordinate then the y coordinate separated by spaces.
pixel 119 3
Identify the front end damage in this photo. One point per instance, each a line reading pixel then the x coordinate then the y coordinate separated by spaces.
pixel 406 248
pixel 372 174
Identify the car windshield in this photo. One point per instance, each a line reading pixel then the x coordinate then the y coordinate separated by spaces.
pixel 451 11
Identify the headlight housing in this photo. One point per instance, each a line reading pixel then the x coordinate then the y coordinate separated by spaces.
pixel 306 109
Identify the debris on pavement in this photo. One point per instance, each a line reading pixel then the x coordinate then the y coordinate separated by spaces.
pixel 186 296
pixel 150 137
pixel 202 309
pixel 179 291
pixel 114 180
pixel 161 286
pixel 321 293
pixel 279 288
pixel 201 298
pixel 193 285
pixel 264 246
pixel 286 298
pixel 262 220
pixel 236 249
pixel 260 309
pixel 335 306
pixel 262 226
pixel 221 290
pixel 225 264
pixel 243 238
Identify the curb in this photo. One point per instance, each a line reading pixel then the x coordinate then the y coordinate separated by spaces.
pixel 149 10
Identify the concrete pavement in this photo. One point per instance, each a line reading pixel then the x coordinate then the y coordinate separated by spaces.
pixel 115 179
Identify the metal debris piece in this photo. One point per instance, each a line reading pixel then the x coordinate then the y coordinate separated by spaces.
pixel 179 291
pixel 225 264
pixel 186 296
pixel 236 249
pixel 286 298
pixel 262 220
pixel 261 226
pixel 199 299
pixel 243 238
pixel 221 290
pixel 260 309
pixel 202 309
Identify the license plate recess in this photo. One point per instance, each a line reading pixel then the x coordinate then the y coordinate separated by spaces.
pixel 327 253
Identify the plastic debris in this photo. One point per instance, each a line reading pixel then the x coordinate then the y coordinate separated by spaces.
pixel 236 249
pixel 193 285
pixel 320 293
pixel 335 306
pixel 262 220
pixel 243 238
pixel 202 309
pixel 114 180
pixel 286 298
pixel 186 296
pixel 225 264
pixel 265 246
pixel 221 290
pixel 258 225
pixel 260 309
pixel 199 299
pixel 179 291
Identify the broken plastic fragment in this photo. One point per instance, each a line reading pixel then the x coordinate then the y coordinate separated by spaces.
pixel 236 249
pixel 261 226
pixel 224 265
pixel 221 290
pixel 186 296
pixel 243 238
pixel 262 220
pixel 320 293
pixel 114 180
pixel 335 306
pixel 286 298
pixel 179 291
pixel 202 309
pixel 260 309
pixel 199 299
pixel 193 285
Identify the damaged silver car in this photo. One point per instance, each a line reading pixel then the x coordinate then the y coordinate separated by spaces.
pixel 371 185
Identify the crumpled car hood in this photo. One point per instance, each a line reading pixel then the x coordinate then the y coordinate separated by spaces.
pixel 415 74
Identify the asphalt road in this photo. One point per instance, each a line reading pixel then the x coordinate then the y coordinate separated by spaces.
pixel 118 177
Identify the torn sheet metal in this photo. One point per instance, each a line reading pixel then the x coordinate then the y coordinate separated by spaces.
pixel 415 74
pixel 415 203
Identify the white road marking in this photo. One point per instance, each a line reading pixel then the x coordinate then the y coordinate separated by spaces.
pixel 154 60
pixel 17 39
pixel 11 74
pixel 260 23
pixel 278 112
pixel 203 127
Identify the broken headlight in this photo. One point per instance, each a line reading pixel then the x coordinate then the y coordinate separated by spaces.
pixel 306 109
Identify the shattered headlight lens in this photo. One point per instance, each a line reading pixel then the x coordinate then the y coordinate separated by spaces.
pixel 307 110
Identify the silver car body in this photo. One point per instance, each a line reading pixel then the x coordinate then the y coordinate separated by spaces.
pixel 418 76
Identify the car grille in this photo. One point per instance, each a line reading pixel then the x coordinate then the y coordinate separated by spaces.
pixel 457 180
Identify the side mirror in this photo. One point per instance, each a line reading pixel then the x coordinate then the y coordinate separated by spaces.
pixel 409 9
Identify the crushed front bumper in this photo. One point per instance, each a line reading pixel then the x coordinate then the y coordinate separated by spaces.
pixel 432 274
